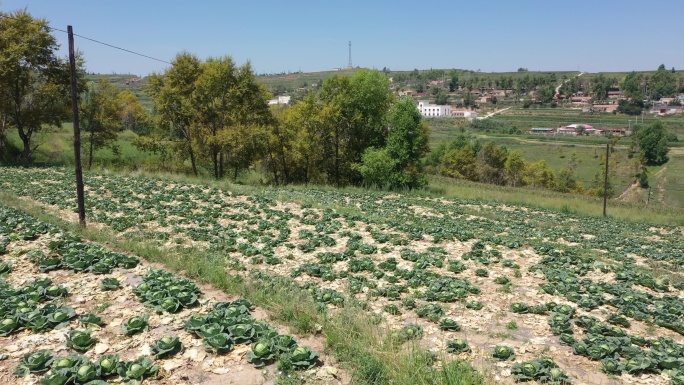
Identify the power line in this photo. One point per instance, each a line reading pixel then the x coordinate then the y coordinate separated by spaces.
pixel 88 38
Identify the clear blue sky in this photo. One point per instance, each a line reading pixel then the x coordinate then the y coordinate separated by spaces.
pixel 276 36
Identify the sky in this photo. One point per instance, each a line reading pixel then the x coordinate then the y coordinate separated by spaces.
pixel 311 36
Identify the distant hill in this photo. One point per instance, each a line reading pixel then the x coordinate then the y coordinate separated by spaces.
pixel 129 82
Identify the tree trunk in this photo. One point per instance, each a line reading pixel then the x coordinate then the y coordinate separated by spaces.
pixel 90 151
pixel 235 171
pixel 222 173
pixel 214 156
pixel 192 159
pixel 25 155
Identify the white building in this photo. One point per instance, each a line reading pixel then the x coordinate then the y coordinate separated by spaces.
pixel 470 115
pixel 280 100
pixel 432 110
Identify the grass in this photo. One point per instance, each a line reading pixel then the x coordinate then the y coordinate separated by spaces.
pixel 359 345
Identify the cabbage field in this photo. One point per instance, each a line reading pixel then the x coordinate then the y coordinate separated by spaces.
pixel 73 312
pixel 521 293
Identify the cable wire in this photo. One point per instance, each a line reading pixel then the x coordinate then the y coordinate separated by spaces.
pixel 88 38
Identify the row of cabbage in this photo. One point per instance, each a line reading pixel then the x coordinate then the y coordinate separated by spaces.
pixel 38 307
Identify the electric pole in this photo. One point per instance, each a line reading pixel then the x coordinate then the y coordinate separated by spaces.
pixel 77 131
pixel 605 182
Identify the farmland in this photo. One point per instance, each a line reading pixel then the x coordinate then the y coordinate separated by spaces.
pixel 461 278
pixel 74 312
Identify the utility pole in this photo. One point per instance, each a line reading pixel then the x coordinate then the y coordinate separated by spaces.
pixel 605 182
pixel 77 131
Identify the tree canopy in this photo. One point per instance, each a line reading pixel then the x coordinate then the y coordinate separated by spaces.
pixel 34 82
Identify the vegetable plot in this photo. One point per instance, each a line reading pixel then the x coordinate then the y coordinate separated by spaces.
pixel 59 327
pixel 459 276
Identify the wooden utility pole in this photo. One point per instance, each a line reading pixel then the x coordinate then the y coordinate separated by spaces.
pixel 77 131
pixel 605 182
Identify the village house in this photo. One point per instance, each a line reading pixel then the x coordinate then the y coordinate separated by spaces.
pixel 468 114
pixel 542 130
pixel 610 108
pixel 667 110
pixel 280 100
pixel 433 110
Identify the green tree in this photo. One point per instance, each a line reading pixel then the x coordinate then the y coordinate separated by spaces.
pixel 539 174
pixel 231 113
pixel 491 162
pixel 379 169
pixel 100 110
pixel 453 80
pixel 544 94
pixel 407 143
pixel 172 93
pixel 460 163
pixel 663 83
pixel 34 82
pixel 631 86
pixel 358 108
pixel 652 142
pixel 442 98
pixel 515 168
pixel 133 115
pixel 600 85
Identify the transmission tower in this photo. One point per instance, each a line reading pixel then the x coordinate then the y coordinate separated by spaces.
pixel 350 62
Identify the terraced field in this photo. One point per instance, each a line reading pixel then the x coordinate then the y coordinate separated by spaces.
pixel 513 290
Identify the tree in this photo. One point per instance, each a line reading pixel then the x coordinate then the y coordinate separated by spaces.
pixel 460 163
pixel 132 114
pixel 600 85
pixel 652 142
pixel 34 82
pixel 491 163
pixel 515 167
pixel 663 83
pixel 357 108
pixel 631 86
pixel 453 80
pixel 231 113
pixel 442 98
pixel 172 95
pixel 100 110
pixel 407 143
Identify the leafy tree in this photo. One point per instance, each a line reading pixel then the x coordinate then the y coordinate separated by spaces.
pixel 545 94
pixel 231 112
pixel 631 107
pixel 631 86
pixel 133 115
pixel 407 142
pixel 460 163
pixel 442 98
pixel 652 141
pixel 378 168
pixel 515 168
pixel 491 163
pixel 600 85
pixel 453 80
pixel 357 108
pixel 663 83
pixel 34 82
pixel 172 94
pixel 100 110
pixel 539 174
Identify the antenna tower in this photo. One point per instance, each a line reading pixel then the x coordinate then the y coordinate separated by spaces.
pixel 350 62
